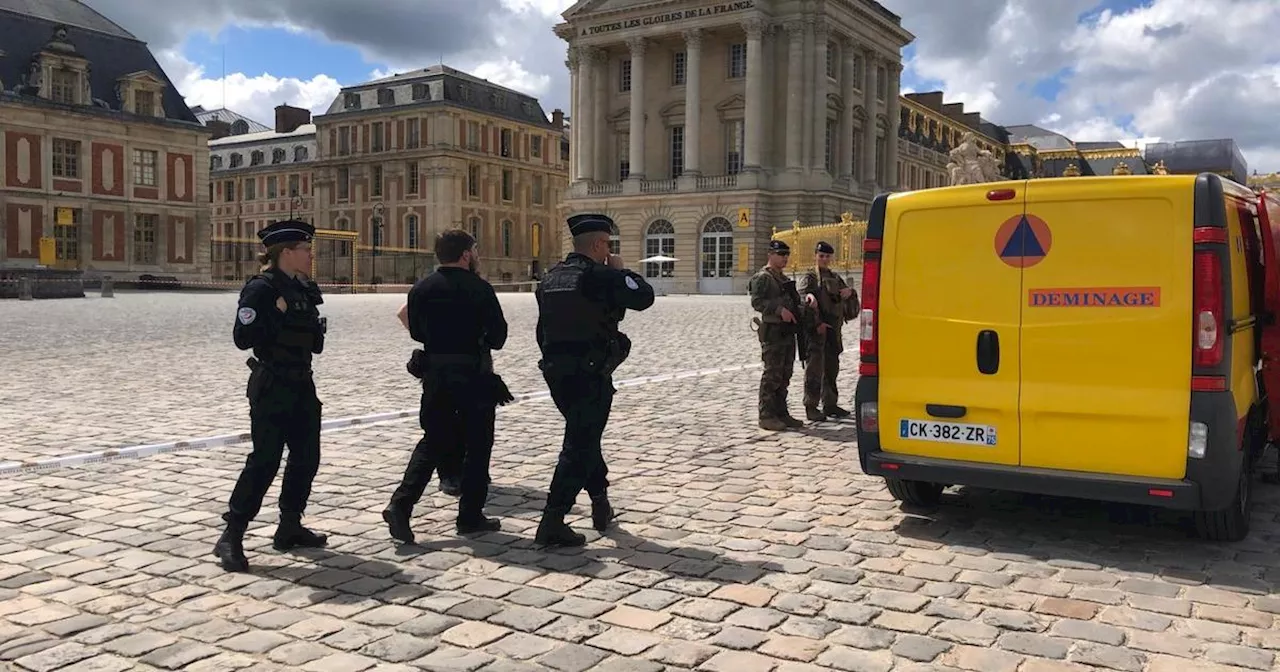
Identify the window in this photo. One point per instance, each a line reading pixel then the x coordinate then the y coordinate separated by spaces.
pixel 881 148
pixel 564 149
pixel 506 239
pixel 473 181
pixel 412 185
pixel 299 153
pixel 237 160
pixel 830 159
pixel 378 132
pixel 386 97
pixel 411 140
pixel 473 135
pixel 351 100
pixel 66 238
pixel 677 151
pixel 660 239
pixel 239 127
pixel 144 238
pixel 624 157
pixel 144 103
pixel 679 68
pixel 255 159
pixel 63 87
pixel 734 138
pixel 375 186
pixel 535 146
pixel 66 159
pixel 272 187
pixel 278 155
pixel 215 163
pixel 344 140
pixel 505 146
pixel 344 183
pixel 474 227
pixel 508 184
pixel 411 231
pixel 229 191
pixel 421 92
pixel 737 61
pixel 624 75
pixel 831 60
pixel 250 188
pixel 882 83
pixel 293 186
pixel 537 190
pixel 144 167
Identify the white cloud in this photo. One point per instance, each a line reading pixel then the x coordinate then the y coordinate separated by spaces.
pixel 252 96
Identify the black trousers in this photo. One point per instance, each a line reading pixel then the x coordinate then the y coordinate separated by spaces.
pixel 283 414
pixel 455 419
pixel 449 467
pixel 584 399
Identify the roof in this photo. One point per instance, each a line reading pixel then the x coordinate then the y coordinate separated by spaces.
pixel 444 86
pixel 229 116
pixel 112 54
pixel 1195 156
pixel 268 135
pixel 67 12
pixel 1042 139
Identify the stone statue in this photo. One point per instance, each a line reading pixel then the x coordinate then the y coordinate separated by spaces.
pixel 35 77
pixel 971 165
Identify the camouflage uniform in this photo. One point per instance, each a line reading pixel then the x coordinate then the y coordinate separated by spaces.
pixel 770 292
pixel 822 361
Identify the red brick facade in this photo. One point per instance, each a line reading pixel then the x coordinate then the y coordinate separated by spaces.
pixel 23 160
pixel 107 164
pixel 24 226
pixel 113 249
pixel 183 254
pixel 181 182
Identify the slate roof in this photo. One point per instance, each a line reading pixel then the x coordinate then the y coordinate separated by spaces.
pixel 1195 156
pixel 446 86
pixel 27 26
pixel 229 116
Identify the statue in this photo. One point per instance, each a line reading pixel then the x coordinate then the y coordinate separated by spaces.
pixel 1121 168
pixel 35 77
pixel 1159 168
pixel 1072 170
pixel 971 165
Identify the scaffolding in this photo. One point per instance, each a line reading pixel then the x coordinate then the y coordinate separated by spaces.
pixel 845 236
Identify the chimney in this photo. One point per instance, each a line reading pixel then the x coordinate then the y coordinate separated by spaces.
pixel 220 128
pixel 557 119
pixel 288 118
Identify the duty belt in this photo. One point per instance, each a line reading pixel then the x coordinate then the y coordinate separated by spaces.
pixel 453 360
pixel 294 373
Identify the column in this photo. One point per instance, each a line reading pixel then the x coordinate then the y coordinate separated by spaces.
pixel 754 122
pixel 869 125
pixel 692 102
pixel 848 73
pixel 819 156
pixel 584 147
pixel 573 64
pixel 806 83
pixel 894 113
pixel 795 73
pixel 638 45
pixel 601 134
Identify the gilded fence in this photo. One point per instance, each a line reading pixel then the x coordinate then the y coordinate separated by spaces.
pixel 846 236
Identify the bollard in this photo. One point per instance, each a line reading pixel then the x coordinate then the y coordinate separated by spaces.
pixel 24 288
pixel 108 287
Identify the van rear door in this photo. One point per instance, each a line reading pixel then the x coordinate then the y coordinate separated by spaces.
pixel 948 324
pixel 1106 326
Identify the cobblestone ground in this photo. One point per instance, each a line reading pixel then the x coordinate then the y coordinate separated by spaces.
pixel 739 550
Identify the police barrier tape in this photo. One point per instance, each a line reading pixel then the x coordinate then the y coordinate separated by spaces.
pixel 223 440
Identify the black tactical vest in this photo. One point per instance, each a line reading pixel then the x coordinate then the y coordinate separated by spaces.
pixel 571 320
pixel 293 346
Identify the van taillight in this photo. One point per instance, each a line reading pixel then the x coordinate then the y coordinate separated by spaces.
pixel 1207 302
pixel 870 333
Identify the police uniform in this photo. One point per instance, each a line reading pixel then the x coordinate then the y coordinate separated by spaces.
pixel 771 291
pixel 283 407
pixel 580 303
pixel 822 363
pixel 455 315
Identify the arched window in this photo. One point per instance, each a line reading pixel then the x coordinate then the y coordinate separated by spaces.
pixel 237 160
pixel 660 240
pixel 474 228
pixel 255 158
pixel 615 240
pixel 535 239
pixel 239 127
pixel 215 162
pixel 277 155
pixel 717 249
pixel 299 153
pixel 506 239
pixel 411 231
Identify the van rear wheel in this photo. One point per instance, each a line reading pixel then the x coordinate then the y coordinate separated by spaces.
pixel 916 493
pixel 1231 523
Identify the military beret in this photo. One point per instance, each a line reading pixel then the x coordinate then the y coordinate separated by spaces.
pixel 287 231
pixel 778 247
pixel 590 223
pixel 824 247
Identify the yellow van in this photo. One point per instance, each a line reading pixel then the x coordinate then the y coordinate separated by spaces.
pixel 1091 337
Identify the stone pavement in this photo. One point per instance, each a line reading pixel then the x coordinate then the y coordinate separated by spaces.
pixel 738 550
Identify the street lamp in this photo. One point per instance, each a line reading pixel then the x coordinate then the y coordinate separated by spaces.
pixel 295 203
pixel 377 235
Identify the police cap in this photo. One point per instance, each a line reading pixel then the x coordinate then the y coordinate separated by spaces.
pixel 590 223
pixel 823 247
pixel 778 247
pixel 287 231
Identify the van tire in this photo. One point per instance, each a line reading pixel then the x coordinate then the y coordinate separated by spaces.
pixel 1232 523
pixel 916 493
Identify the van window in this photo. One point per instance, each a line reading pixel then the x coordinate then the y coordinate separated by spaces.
pixel 1253 256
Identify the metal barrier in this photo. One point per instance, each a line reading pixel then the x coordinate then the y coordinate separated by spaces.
pixel 845 236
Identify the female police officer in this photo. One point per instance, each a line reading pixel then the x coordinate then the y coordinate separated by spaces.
pixel 277 318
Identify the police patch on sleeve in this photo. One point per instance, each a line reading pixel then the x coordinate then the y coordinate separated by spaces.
pixel 631 283
pixel 247 315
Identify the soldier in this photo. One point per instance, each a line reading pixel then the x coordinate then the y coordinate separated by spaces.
pixel 829 297
pixel 455 315
pixel 774 296
pixel 581 300
pixel 278 318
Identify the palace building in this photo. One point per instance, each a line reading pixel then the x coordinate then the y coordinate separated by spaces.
pixel 259 175
pixel 698 126
pixel 402 158
pixel 104 163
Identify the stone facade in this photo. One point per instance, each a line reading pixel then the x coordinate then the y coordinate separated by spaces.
pixel 700 126
pixel 109 174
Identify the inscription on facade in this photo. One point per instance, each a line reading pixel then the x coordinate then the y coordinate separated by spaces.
pixel 670 17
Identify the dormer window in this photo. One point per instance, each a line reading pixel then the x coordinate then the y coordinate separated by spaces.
pixel 386 97
pixel 421 92
pixel 144 103
pixel 277 155
pixel 64 86
pixel 215 162
pixel 255 159
pixel 351 100
pixel 237 160
pixel 299 153
pixel 240 127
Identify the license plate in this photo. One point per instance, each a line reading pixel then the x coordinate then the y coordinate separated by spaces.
pixel 947 432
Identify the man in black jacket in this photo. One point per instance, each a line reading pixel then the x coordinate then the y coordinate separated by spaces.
pixel 455 315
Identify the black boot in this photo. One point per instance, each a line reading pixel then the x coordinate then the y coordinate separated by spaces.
pixel 553 532
pixel 477 523
pixel 398 524
pixel 602 513
pixel 230 549
pixel 450 486
pixel 291 534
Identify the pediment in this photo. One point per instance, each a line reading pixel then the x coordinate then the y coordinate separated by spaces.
pixel 145 77
pixel 734 102
pixel 584 8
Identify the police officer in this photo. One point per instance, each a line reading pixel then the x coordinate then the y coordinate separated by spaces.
pixel 774 296
pixel 455 315
pixel 581 300
pixel 278 318
pixel 449 468
pixel 833 302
